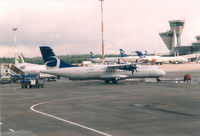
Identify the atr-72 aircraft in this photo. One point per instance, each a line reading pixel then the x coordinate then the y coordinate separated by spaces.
pixel 108 73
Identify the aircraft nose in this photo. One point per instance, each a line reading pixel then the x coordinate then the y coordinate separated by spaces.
pixel 162 73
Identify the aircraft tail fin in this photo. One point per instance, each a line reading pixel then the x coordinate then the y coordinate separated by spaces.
pixel 92 55
pixel 145 53
pixel 122 53
pixel 140 54
pixel 19 59
pixel 51 60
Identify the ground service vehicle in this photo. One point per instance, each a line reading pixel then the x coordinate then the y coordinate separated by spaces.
pixel 31 81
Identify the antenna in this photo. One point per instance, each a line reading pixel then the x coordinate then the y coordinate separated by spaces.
pixel 102 27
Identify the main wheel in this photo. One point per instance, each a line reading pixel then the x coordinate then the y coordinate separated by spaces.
pixel 107 81
pixel 114 81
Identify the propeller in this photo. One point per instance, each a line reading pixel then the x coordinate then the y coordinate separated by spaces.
pixel 132 68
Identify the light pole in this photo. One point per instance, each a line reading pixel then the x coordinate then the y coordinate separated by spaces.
pixel 15 39
pixel 102 27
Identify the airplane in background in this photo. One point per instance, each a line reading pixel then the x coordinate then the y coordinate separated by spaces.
pixel 160 59
pixel 108 73
pixel 103 60
pixel 95 59
pixel 145 59
pixel 30 68
pixel 126 58
pixel 27 67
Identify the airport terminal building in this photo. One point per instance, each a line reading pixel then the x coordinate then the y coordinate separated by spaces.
pixel 172 39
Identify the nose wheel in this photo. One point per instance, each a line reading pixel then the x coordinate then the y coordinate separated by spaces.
pixel 158 79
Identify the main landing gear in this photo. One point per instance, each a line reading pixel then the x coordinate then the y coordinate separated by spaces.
pixel 107 81
pixel 113 81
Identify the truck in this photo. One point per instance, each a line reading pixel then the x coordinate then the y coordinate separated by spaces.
pixel 31 81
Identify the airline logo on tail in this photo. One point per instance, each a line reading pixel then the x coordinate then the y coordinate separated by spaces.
pixel 140 54
pixel 53 62
pixel 19 59
pixel 122 53
pixel 92 55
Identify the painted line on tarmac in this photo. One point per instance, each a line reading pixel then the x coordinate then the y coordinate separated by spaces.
pixel 67 121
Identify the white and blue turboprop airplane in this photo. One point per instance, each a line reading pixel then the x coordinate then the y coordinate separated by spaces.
pixel 108 73
pixel 104 60
pixel 126 58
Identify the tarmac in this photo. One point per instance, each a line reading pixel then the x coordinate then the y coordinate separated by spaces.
pixel 92 108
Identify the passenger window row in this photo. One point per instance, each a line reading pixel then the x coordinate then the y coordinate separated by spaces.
pixel 108 71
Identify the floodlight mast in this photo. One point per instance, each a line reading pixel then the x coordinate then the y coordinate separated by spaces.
pixel 15 39
pixel 102 27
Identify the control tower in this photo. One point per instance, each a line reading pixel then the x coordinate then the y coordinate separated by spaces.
pixel 169 38
pixel 172 39
pixel 196 45
pixel 177 25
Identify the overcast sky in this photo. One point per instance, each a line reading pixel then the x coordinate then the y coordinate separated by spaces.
pixel 74 26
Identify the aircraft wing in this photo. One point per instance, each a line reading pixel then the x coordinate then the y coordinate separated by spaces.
pixel 42 75
pixel 130 67
pixel 113 77
pixel 98 60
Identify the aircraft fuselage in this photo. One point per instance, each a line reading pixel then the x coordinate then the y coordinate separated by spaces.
pixel 102 73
